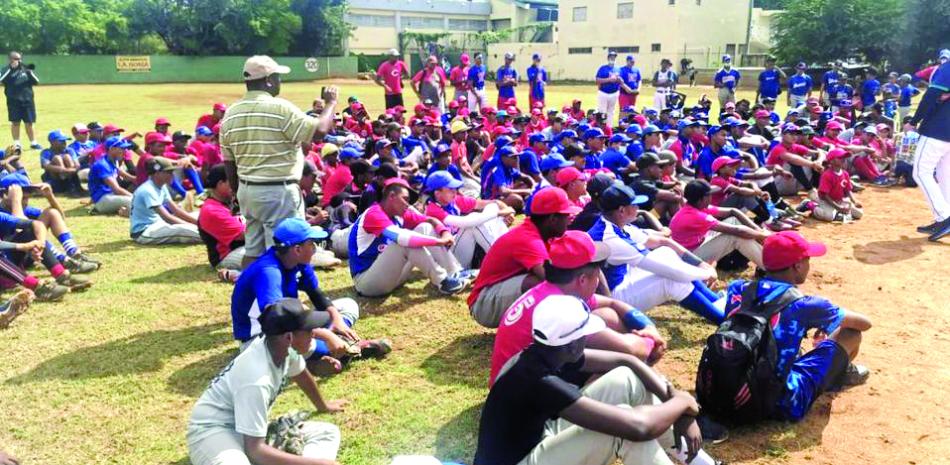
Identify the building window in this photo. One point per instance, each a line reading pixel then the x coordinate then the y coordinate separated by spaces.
pixel 580 14
pixel 499 24
pixel 547 14
pixel 655 48
pixel 422 22
pixel 625 10
pixel 730 49
pixel 467 25
pixel 672 2
pixel 371 20
pixel 580 50
pixel 630 49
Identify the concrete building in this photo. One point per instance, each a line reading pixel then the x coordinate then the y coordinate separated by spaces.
pixel 379 22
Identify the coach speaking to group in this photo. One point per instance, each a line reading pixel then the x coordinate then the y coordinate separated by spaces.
pixel 18 81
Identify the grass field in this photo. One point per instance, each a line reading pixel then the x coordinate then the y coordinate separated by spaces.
pixel 109 376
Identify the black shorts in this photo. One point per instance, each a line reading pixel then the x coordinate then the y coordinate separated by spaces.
pixel 18 111
pixel 394 101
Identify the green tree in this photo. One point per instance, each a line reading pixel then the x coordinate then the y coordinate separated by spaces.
pixel 770 4
pixel 926 31
pixel 324 28
pixel 825 30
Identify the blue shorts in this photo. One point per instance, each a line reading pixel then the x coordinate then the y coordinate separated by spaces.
pixel 817 371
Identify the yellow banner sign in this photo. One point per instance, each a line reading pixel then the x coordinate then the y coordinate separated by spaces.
pixel 133 64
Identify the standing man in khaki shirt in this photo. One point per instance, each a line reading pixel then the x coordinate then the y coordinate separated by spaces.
pixel 261 137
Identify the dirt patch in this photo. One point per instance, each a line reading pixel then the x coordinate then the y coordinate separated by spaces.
pixel 881 267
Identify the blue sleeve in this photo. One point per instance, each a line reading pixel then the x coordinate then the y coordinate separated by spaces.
pixel 308 278
pixel 532 74
pixel 718 77
pixel 602 72
pixel 471 74
pixel 817 312
pixel 9 223
pixel 499 75
pixel 734 295
pixel 268 287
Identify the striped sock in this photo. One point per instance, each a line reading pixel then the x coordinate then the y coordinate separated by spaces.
pixel 59 254
pixel 72 248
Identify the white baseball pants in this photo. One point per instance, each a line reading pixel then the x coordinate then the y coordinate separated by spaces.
pixel 932 174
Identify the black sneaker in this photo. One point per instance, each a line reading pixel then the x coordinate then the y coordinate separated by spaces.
pixel 941 230
pixel 929 229
pixel 713 432
pixel 452 285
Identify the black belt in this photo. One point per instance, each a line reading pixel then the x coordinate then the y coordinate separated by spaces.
pixel 268 183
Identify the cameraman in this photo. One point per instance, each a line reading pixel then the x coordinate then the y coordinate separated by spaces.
pixel 18 81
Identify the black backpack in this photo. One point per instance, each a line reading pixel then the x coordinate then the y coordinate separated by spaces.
pixel 737 381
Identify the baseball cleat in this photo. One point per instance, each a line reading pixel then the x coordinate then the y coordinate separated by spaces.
pixel 941 230
pixel 929 229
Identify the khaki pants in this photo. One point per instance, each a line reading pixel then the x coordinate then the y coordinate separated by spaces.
pixel 826 212
pixel 718 245
pixel 568 444
pixel 726 95
pixel 233 260
pixel 483 235
pixel 340 243
pixel 160 232
pixel 322 441
pixel 393 267
pixel 111 203
pixel 494 300
pixel 263 208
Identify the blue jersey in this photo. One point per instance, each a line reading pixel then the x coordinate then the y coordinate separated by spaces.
pixel 592 161
pixel 907 93
pixel 607 71
pixel 82 147
pixel 614 161
pixel 495 176
pixel 264 282
pixel 829 79
pixel 634 150
pixel 10 224
pixel 502 73
pixel 631 76
pixel 891 90
pixel 410 143
pixel 934 116
pixel 800 85
pixel 840 92
pixel 476 74
pixel 98 173
pixel 602 231
pixel 538 77
pixel 869 91
pixel 708 155
pixel 727 78
pixel 452 169
pixel 788 329
pixel 47 155
pixel 770 83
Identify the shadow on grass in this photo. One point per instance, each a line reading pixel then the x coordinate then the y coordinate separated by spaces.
pixel 456 440
pixel 884 252
pixel 192 379
pixel 463 361
pixel 141 353
pixel 182 275
pixel 121 245
pixel 401 299
pixel 774 440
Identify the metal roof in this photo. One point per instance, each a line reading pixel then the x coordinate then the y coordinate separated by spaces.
pixel 458 7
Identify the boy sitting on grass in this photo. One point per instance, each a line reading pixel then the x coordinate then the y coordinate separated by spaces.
pixel 156 219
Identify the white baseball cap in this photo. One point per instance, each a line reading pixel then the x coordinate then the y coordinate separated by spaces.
pixel 261 66
pixel 559 320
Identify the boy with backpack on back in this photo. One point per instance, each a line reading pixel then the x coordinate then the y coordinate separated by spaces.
pixel 748 374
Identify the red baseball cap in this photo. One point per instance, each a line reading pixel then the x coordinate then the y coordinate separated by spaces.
pixel 569 175
pixel 420 108
pixel 513 110
pixel 538 105
pixel 834 125
pixel 162 122
pixel 220 107
pixel 836 153
pixel 784 249
pixel 110 128
pixel 464 58
pixel 576 249
pixel 537 112
pixel 511 101
pixel 398 109
pixel 500 131
pixel 551 200
pixel 488 110
pixel 724 161
pixel 153 137
pixel 454 104
pixel 761 114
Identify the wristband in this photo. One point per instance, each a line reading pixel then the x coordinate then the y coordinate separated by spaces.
pixel 635 319
pixel 691 259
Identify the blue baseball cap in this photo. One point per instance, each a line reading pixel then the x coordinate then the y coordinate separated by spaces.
pixel 383 143
pixel 506 151
pixel 536 56
pixel 619 138
pixel 501 113
pixel 554 161
pixel 650 111
pixel 651 129
pixel 619 195
pixel 503 141
pixel 713 130
pixel 58 135
pixel 676 114
pixel 116 141
pixel 567 133
pixel 582 128
pixel 204 131
pixel 594 133
pixel 293 231
pixel 629 109
pixel 634 129
pixel 15 179
pixel 631 58
pixel 801 65
pixel 844 103
pixel 442 179
pixel 536 137
pixel 726 59
pixel 442 148
pixel 350 152
pixel 794 111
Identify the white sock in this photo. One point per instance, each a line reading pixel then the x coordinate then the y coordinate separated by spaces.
pixel 16 141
